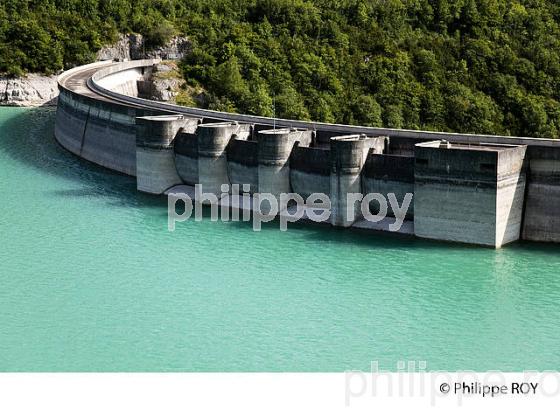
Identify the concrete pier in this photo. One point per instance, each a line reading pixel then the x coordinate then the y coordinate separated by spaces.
pixel 274 149
pixel 213 140
pixel 348 156
pixel 389 174
pixel 469 193
pixel 155 159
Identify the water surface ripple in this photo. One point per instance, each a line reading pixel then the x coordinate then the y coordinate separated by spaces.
pixel 91 280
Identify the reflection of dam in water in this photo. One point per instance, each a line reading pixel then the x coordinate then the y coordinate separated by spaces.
pixel 487 190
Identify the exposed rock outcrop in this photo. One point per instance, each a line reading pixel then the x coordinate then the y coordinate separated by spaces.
pixel 175 49
pixel 164 84
pixel 31 90
pixel 132 47
pixel 117 51
pixel 36 89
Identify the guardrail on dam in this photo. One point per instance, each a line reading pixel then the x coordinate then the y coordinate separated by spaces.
pixel 480 189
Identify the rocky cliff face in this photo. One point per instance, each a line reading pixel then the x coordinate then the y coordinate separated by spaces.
pixel 35 89
pixel 32 90
pixel 118 51
pixel 132 47
pixel 164 84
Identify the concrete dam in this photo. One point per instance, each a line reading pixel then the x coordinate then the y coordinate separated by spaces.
pixel 476 189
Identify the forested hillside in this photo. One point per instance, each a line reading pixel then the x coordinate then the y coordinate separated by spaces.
pixel 490 66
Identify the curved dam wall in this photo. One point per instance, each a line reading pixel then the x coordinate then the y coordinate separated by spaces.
pixel 480 189
pixel 98 129
pixel 99 132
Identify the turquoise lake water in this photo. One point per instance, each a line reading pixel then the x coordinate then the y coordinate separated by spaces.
pixel 91 280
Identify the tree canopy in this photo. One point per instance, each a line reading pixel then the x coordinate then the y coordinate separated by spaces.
pixel 485 66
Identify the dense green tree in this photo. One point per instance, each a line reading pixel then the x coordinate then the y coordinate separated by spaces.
pixel 367 111
pixel 485 66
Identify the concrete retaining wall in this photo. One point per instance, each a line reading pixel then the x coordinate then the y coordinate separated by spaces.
pixel 310 171
pixel 186 157
pixel 98 129
pixel 542 203
pixel 243 164
pixel 386 174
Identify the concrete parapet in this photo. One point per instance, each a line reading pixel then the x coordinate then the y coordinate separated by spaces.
pixel 348 156
pixel 123 78
pixel 469 193
pixel 323 137
pixel 274 149
pixel 155 159
pixel 324 130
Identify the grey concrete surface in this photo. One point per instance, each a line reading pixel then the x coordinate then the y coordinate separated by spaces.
pixel 155 158
pixel 470 192
pixel 348 156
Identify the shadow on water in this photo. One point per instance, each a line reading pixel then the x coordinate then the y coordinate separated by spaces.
pixel 28 137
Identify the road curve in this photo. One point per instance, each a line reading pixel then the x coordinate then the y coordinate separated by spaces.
pixel 86 80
